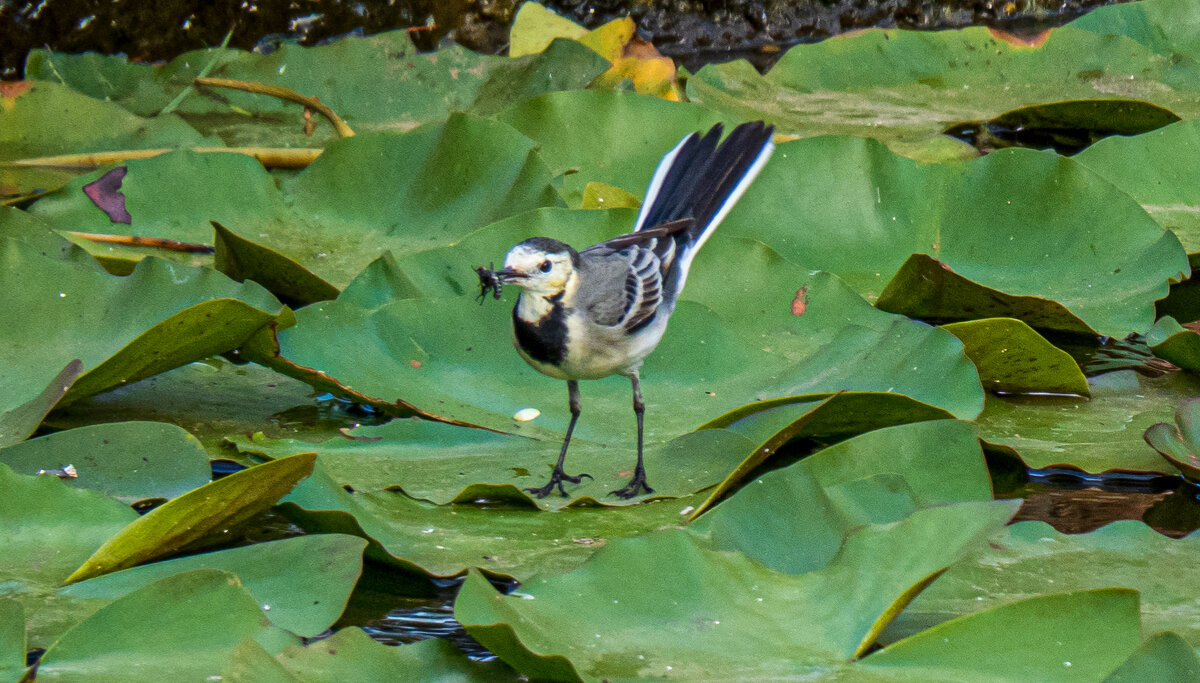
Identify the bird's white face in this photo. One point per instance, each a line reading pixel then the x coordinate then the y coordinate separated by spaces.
pixel 536 271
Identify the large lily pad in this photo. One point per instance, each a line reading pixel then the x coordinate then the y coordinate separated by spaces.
pixel 1031 558
pixel 121 328
pixel 737 338
pixel 186 520
pixel 182 626
pixel 302 583
pixel 1097 435
pixel 1164 656
pixel 1025 223
pixel 1012 358
pixel 50 528
pixel 907 86
pixel 129 461
pixel 1175 343
pixel 879 477
pixel 350 654
pixel 211 399
pixel 505 536
pixel 716 614
pixel 1153 168
pixel 12 639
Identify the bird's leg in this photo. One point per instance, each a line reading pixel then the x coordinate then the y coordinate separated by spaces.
pixel 558 476
pixel 635 485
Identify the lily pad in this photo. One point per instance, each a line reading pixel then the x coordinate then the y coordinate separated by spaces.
pixel 1164 656
pixel 303 583
pixel 1031 558
pixel 904 86
pixel 173 526
pixel 1012 358
pixel 350 654
pixel 716 614
pixel 1077 636
pixel 502 535
pixel 879 477
pixel 1153 169
pixel 183 626
pixel 442 463
pixel 211 399
pixel 1175 343
pixel 121 328
pixel 1097 435
pixel 50 529
pixel 1177 443
pixel 129 461
pixel 1026 223
pixel 12 640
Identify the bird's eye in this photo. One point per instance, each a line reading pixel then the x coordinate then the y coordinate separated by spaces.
pixel 544 266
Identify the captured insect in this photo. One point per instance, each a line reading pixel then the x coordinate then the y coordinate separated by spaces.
pixel 488 281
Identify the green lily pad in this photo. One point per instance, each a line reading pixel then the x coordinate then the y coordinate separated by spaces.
pixel 350 654
pixel 1172 342
pixel 1177 443
pixel 1165 656
pixel 716 614
pixel 50 529
pixel 879 477
pixel 19 422
pixel 1078 636
pixel 121 328
pixel 1153 168
pixel 181 627
pixel 927 288
pixel 1097 435
pixel 1031 558
pixel 186 520
pixel 130 461
pixel 211 399
pixel 731 341
pixel 1103 260
pixel 12 639
pixel 442 463
pixel 1012 358
pixel 502 535
pixel 616 138
pixel 302 583
pixel 904 86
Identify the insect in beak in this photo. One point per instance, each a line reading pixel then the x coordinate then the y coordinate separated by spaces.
pixel 488 281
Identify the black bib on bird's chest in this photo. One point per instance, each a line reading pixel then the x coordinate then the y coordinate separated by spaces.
pixel 545 340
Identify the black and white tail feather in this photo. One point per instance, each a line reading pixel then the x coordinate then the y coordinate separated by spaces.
pixel 601 311
pixel 694 187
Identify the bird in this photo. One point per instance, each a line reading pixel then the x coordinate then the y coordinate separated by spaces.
pixel 600 311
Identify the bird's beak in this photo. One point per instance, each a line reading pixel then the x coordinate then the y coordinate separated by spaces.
pixel 508 275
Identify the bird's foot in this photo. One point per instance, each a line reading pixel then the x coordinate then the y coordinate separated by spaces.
pixel 556 480
pixel 634 487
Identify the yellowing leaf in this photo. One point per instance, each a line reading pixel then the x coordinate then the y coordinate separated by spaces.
pixel 604 196
pixel 535 26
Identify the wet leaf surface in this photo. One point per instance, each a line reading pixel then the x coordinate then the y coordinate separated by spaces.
pixel 129 461
pixel 1031 558
pixel 185 625
pixel 1097 435
pixel 1012 358
pixel 350 654
pixel 214 508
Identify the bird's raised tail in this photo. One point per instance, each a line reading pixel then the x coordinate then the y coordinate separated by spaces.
pixel 702 180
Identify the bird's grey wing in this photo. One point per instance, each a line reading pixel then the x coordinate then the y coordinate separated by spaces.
pixel 621 288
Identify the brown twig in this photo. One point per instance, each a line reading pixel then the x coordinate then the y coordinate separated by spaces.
pixel 282 93
pixel 137 241
pixel 271 157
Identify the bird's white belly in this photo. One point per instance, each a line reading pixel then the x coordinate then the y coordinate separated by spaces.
pixel 594 351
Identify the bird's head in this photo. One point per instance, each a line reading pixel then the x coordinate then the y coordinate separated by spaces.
pixel 540 266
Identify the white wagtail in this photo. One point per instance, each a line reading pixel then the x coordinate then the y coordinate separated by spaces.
pixel 599 312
